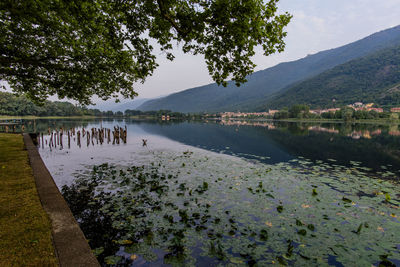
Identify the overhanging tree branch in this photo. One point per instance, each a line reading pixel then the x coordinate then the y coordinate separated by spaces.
pixel 79 47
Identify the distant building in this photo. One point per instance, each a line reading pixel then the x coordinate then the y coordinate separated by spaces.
pixel 333 109
pixel 379 110
pixel 369 105
pixel 395 110
pixel 242 114
pixel 367 135
pixel 376 132
pixel 320 111
pixel 394 133
pixel 272 111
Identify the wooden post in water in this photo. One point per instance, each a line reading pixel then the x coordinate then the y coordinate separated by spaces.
pixel 113 134
pixel 117 135
pixel 79 138
pixel 69 140
pixel 61 140
pixel 126 133
pixel 101 136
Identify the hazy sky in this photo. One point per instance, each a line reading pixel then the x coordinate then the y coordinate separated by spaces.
pixel 316 25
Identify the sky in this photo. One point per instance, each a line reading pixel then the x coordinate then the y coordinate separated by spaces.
pixel 316 25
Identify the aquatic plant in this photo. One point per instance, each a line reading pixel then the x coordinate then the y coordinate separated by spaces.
pixel 197 208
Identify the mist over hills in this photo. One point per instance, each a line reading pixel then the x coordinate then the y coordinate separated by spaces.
pixel 264 85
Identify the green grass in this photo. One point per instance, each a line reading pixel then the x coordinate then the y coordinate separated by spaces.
pixel 25 229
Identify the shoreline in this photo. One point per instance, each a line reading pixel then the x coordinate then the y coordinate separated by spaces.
pixel 377 122
pixel 70 244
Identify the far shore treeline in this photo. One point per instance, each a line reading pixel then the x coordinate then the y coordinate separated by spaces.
pixel 11 105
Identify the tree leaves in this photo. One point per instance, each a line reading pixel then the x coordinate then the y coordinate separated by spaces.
pixel 80 49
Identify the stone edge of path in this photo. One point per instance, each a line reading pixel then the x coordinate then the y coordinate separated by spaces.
pixel 70 244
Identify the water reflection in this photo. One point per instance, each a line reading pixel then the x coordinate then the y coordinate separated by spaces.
pixel 280 142
pixel 357 130
pixel 171 203
pixel 375 147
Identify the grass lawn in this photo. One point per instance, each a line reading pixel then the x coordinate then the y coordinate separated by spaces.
pixel 25 229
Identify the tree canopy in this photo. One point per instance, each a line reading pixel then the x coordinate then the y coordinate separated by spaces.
pixel 80 48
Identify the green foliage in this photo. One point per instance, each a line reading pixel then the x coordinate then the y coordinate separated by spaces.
pixel 394 116
pixel 298 111
pixel 20 106
pixel 387 197
pixel 77 49
pixel 283 114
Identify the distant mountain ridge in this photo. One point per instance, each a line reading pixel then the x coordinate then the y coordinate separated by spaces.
pixel 265 84
pixel 372 78
pixel 121 106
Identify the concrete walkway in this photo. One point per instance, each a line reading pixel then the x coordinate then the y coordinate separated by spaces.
pixel 70 244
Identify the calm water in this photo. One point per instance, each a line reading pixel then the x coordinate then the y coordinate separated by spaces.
pixel 210 193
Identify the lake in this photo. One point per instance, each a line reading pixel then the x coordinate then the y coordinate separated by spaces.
pixel 230 192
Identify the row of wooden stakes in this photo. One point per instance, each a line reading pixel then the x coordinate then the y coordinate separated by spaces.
pixel 94 135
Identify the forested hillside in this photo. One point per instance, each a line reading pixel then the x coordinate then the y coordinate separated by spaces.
pixel 262 84
pixel 19 106
pixel 374 78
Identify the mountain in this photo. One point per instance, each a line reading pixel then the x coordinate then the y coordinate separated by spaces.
pixel 263 84
pixel 121 106
pixel 373 78
pixel 134 104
